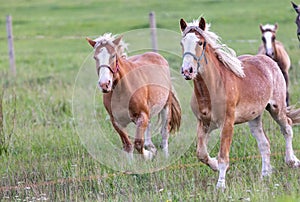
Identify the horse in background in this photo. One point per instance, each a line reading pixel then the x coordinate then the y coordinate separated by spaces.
pixel 297 21
pixel 275 50
pixel 135 89
pixel 230 90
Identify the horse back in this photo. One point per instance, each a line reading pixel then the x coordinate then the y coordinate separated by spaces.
pixel 149 58
pixel 263 82
pixel 262 71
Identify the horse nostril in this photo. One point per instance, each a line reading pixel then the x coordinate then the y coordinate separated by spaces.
pixel 182 71
pixel 191 70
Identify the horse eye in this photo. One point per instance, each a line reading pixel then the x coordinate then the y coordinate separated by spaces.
pixel 200 43
pixel 113 56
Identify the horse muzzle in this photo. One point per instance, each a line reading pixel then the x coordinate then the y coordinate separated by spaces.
pixel 105 87
pixel 187 73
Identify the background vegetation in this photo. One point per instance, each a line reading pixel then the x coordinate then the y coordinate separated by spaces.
pixel 45 159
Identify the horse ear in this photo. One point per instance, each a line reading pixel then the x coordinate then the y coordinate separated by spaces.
pixel 183 24
pixel 91 42
pixel 295 7
pixel 276 26
pixel 202 23
pixel 117 40
pixel 261 28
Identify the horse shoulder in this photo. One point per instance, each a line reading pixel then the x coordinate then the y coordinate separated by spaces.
pixel 107 102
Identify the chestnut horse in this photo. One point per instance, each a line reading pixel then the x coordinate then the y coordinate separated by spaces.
pixel 275 50
pixel 134 90
pixel 297 9
pixel 230 90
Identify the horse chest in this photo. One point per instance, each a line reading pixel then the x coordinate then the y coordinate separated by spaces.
pixel 118 108
pixel 121 116
pixel 200 108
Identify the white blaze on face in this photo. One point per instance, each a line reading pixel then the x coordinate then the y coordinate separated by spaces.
pixel 189 45
pixel 268 38
pixel 105 76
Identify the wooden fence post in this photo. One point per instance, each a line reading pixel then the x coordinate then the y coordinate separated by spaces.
pixel 11 51
pixel 153 31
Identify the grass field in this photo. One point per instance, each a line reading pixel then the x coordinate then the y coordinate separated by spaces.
pixel 46 159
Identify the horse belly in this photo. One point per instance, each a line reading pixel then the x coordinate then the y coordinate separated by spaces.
pixel 248 113
pixel 252 103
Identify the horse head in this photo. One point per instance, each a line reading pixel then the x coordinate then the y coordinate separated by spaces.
pixel 106 53
pixel 297 9
pixel 193 48
pixel 268 37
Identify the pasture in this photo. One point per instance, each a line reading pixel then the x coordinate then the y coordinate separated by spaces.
pixel 44 157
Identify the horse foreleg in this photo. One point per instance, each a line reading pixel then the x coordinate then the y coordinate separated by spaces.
pixel 202 154
pixel 286 78
pixel 142 123
pixel 223 157
pixel 127 145
pixel 263 143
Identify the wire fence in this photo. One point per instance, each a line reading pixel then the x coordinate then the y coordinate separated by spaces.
pixel 118 174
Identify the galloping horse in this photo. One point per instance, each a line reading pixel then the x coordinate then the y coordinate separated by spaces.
pixel 134 90
pixel 230 90
pixel 275 50
pixel 297 9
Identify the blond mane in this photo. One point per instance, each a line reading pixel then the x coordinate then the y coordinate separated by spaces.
pixel 109 38
pixel 225 54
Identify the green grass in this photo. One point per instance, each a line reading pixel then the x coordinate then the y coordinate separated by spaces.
pixel 46 157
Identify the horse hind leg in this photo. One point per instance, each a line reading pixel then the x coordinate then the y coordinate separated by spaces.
pixel 280 116
pixel 263 143
pixel 290 159
pixel 148 142
pixel 165 129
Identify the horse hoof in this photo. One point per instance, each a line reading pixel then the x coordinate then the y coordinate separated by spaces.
pixel 213 164
pixel 150 147
pixel 148 155
pixel 221 185
pixel 166 152
pixel 266 173
pixel 293 163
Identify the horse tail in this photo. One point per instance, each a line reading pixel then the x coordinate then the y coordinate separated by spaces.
pixel 175 114
pixel 293 114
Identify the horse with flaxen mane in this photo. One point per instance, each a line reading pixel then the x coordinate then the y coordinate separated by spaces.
pixel 275 50
pixel 134 90
pixel 297 21
pixel 230 90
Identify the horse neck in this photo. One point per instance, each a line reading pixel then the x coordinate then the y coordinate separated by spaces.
pixel 124 68
pixel 275 47
pixel 212 73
